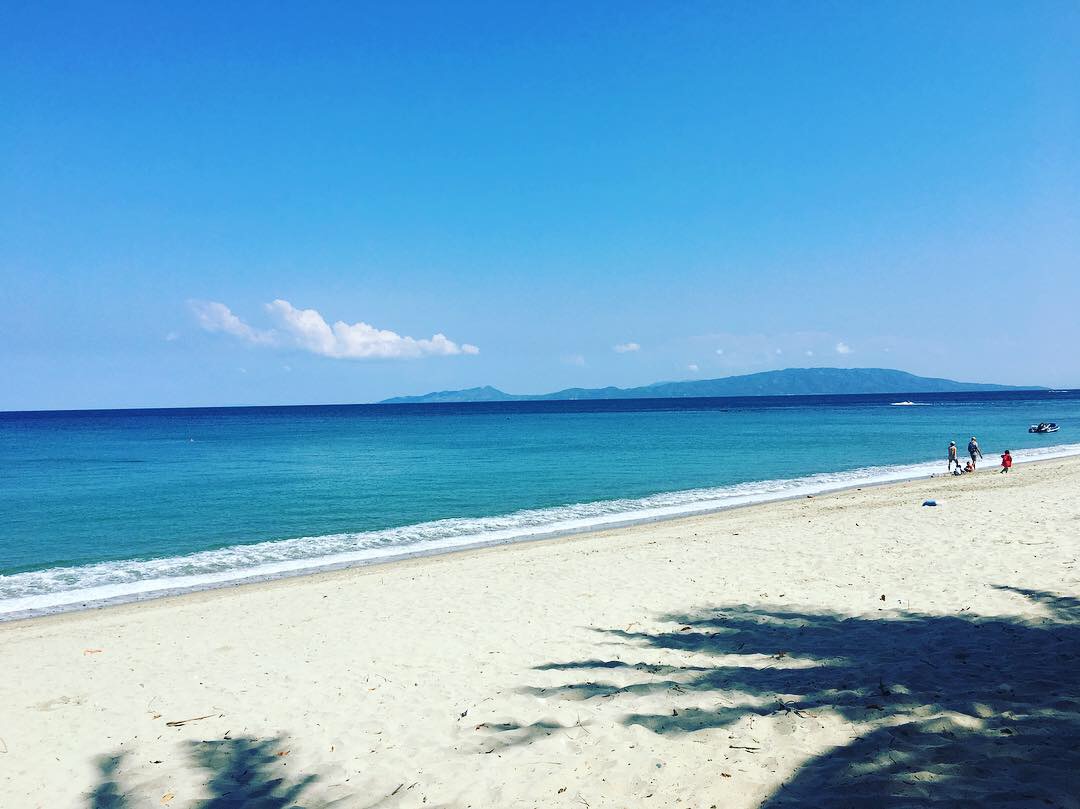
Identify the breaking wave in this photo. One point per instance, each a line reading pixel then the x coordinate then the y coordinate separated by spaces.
pixel 65 588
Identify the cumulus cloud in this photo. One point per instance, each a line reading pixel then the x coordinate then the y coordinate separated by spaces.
pixel 217 317
pixel 308 330
pixel 843 348
pixel 692 367
pixel 623 348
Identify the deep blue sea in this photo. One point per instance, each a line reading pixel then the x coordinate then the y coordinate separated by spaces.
pixel 122 504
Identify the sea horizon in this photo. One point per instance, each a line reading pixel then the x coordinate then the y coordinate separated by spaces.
pixel 633 402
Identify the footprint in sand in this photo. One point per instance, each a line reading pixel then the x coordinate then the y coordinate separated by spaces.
pixel 58 702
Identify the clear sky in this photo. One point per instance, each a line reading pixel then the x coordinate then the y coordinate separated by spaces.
pixel 531 196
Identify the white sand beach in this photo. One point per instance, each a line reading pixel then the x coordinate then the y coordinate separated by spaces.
pixel 849 649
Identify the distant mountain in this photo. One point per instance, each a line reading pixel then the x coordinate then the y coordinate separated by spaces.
pixel 789 382
pixel 484 394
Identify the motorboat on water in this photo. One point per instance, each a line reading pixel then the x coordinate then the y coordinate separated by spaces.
pixel 1043 427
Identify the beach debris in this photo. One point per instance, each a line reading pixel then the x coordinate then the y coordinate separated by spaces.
pixel 685 628
pixel 789 707
pixel 167 798
pixel 177 723
pixel 92 651
pixel 882 596
pixel 282 753
pixel 560 790
pixel 929 502
pixel 745 747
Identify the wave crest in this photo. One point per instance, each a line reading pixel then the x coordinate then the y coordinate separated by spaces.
pixel 58 589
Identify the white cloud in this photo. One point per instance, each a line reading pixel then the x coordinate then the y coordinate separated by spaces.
pixel 172 336
pixel 307 329
pixel 693 367
pixel 623 348
pixel 747 351
pixel 574 359
pixel 843 348
pixel 217 317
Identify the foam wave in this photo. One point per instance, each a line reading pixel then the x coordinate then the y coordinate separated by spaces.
pixel 59 589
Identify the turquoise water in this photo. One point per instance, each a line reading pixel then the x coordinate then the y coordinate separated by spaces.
pixel 111 504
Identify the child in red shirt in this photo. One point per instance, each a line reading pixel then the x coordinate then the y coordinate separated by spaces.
pixel 1006 462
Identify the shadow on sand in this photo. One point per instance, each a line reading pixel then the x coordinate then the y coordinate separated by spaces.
pixel 954 711
pixel 239 774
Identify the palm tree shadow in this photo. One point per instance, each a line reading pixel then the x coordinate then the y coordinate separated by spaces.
pixel 249 773
pixel 961 710
pixel 241 772
pixel 108 794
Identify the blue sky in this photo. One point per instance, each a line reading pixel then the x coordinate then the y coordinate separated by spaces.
pixel 192 195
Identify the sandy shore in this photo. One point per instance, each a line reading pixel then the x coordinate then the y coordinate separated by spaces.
pixel 845 650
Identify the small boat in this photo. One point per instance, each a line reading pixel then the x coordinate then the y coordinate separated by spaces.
pixel 1043 427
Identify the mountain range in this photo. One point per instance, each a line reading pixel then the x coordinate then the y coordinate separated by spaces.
pixel 788 382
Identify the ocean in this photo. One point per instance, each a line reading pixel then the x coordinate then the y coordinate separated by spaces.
pixel 99 506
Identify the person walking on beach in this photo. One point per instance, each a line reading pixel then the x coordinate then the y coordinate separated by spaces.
pixel 1006 462
pixel 973 450
pixel 952 457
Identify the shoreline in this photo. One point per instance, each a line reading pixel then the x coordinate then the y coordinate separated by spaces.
pixel 772 655
pixel 586 533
